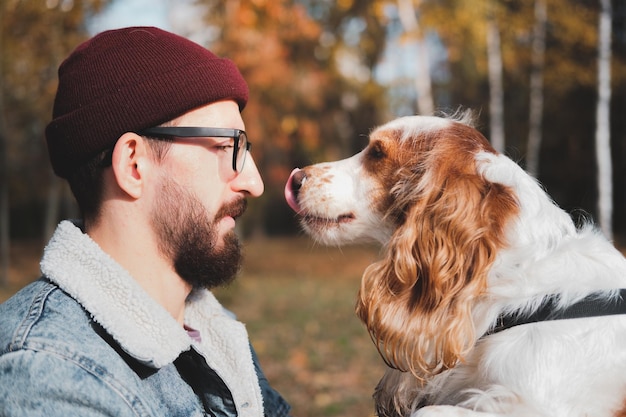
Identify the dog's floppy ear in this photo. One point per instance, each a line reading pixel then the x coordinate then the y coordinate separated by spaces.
pixel 417 301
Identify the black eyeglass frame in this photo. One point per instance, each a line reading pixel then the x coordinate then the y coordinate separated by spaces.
pixel 200 132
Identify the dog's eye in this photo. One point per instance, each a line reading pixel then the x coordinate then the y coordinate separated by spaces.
pixel 376 151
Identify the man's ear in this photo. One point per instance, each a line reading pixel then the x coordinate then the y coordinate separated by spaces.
pixel 130 158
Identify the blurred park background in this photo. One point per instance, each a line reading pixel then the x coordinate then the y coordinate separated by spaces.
pixel 547 79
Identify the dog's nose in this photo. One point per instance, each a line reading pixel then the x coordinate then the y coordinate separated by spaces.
pixel 292 188
pixel 297 181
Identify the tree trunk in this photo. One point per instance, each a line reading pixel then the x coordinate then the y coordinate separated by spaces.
pixel 496 91
pixel 5 241
pixel 603 134
pixel 423 87
pixel 52 206
pixel 536 89
pixel 4 177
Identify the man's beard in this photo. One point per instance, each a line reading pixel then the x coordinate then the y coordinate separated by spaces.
pixel 189 237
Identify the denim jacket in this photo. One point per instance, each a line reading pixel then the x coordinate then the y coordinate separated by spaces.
pixel 87 340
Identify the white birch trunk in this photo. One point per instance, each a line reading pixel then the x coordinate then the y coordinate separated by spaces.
pixel 423 84
pixel 536 89
pixel 496 91
pixel 603 144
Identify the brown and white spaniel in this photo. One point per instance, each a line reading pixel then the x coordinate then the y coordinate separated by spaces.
pixel 488 300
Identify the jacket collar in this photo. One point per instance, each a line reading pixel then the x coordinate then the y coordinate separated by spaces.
pixel 141 326
pixel 114 299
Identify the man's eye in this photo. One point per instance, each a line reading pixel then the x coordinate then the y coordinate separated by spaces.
pixel 224 147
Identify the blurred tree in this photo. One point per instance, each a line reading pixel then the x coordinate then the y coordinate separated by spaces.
pixel 309 67
pixel 536 87
pixel 603 126
pixel 35 36
pixel 4 179
pixel 571 41
pixel 311 64
pixel 408 12
pixel 339 44
pixel 568 156
pixel 496 89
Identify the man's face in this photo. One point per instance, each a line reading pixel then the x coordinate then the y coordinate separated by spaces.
pixel 199 197
pixel 190 237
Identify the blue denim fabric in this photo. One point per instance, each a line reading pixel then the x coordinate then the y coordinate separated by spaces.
pixel 55 361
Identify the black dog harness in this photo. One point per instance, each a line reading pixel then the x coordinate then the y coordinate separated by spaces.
pixel 590 306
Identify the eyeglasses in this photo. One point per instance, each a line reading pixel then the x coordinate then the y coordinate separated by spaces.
pixel 241 146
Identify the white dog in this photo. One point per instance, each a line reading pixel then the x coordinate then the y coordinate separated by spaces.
pixel 488 300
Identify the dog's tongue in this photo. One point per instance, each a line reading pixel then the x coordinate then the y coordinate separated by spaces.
pixel 289 195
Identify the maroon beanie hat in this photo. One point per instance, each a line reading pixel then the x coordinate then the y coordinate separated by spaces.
pixel 130 79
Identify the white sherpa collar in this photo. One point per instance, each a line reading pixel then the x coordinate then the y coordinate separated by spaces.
pixel 114 299
pixel 226 342
pixel 141 326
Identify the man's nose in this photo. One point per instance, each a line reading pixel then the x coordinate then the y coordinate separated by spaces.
pixel 249 179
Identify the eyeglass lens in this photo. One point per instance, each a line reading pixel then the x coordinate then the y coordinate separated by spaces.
pixel 240 152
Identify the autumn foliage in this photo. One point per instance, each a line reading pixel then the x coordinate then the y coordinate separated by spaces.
pixel 314 70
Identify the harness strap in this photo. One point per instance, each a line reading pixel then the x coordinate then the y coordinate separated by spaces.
pixel 590 306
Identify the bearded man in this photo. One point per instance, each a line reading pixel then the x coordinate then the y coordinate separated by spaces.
pixel 147 130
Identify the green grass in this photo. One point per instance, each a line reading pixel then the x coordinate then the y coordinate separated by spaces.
pixel 297 300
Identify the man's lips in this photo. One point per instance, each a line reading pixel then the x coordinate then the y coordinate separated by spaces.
pixel 234 209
